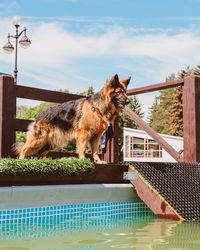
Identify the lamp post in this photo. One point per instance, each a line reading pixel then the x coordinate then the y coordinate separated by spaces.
pixel 24 42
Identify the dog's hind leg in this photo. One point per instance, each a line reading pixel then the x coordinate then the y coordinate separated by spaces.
pixel 82 140
pixel 28 151
pixel 44 151
pixel 32 146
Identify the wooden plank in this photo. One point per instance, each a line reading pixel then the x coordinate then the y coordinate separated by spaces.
pixel 43 94
pixel 151 197
pixel 21 124
pixel 191 119
pixel 7 112
pixel 55 155
pixel 154 135
pixel 114 142
pixel 109 154
pixel 155 87
pixel 101 174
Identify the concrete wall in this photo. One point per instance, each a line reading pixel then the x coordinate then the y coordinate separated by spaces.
pixel 40 196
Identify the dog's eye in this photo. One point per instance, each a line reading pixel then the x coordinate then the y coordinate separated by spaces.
pixel 119 92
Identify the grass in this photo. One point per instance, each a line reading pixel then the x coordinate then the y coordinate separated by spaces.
pixel 46 166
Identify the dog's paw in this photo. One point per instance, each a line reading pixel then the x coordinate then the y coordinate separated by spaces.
pixel 100 162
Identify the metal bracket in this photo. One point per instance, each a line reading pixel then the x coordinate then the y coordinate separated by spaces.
pixel 130 176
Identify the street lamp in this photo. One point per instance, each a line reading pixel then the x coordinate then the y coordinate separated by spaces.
pixel 24 42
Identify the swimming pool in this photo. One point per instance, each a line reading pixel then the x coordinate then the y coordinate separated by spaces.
pixel 123 225
pixel 86 217
pixel 71 221
pixel 54 219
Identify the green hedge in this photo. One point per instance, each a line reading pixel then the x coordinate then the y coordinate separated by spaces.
pixel 46 166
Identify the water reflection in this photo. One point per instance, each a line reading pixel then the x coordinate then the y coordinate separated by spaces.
pixel 110 233
pixel 176 235
pixel 159 234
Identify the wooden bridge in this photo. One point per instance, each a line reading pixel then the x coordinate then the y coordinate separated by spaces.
pixel 170 190
pixel 9 92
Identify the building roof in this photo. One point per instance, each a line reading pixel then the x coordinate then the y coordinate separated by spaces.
pixel 143 134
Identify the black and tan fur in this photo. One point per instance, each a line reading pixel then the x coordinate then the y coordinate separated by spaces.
pixel 77 120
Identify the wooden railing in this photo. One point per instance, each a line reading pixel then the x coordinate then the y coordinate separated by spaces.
pixel 191 114
pixel 156 87
pixel 9 92
pixel 9 124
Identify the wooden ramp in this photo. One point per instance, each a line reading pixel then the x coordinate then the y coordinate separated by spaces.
pixel 171 190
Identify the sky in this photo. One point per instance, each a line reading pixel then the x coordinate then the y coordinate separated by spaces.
pixel 82 43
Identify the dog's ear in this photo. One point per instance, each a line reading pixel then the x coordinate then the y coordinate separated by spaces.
pixel 125 81
pixel 113 81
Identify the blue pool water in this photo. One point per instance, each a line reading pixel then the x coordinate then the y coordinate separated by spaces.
pixel 128 225
pixel 54 219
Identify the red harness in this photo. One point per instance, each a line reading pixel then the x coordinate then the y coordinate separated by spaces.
pixel 95 110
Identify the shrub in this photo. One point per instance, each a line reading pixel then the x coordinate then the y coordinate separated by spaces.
pixel 46 166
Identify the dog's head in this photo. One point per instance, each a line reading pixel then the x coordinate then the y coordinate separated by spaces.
pixel 116 90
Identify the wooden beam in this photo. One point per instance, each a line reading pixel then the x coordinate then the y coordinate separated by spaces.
pixel 7 113
pixel 155 87
pixel 154 135
pixel 101 174
pixel 114 141
pixel 43 94
pixel 56 154
pixel 191 119
pixel 112 134
pixel 153 199
pixel 21 124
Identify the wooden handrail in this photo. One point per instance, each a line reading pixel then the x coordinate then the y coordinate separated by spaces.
pixel 21 124
pixel 155 87
pixel 43 94
pixel 153 134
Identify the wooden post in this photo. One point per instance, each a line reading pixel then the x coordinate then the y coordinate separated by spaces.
pixel 7 113
pixel 114 142
pixel 111 154
pixel 191 119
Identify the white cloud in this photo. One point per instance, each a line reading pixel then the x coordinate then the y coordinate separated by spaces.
pixel 57 54
pixel 52 46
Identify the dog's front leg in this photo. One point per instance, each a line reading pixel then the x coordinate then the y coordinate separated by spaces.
pixel 82 140
pixel 94 144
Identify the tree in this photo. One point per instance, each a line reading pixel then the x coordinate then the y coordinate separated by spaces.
pixel 125 120
pixel 159 117
pixel 90 91
pixel 159 111
pixel 197 70
pixel 21 110
pixel 185 72
pixel 176 113
pixel 176 106
pixel 63 90
pixel 167 110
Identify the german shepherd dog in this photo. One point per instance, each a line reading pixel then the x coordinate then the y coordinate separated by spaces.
pixel 85 120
